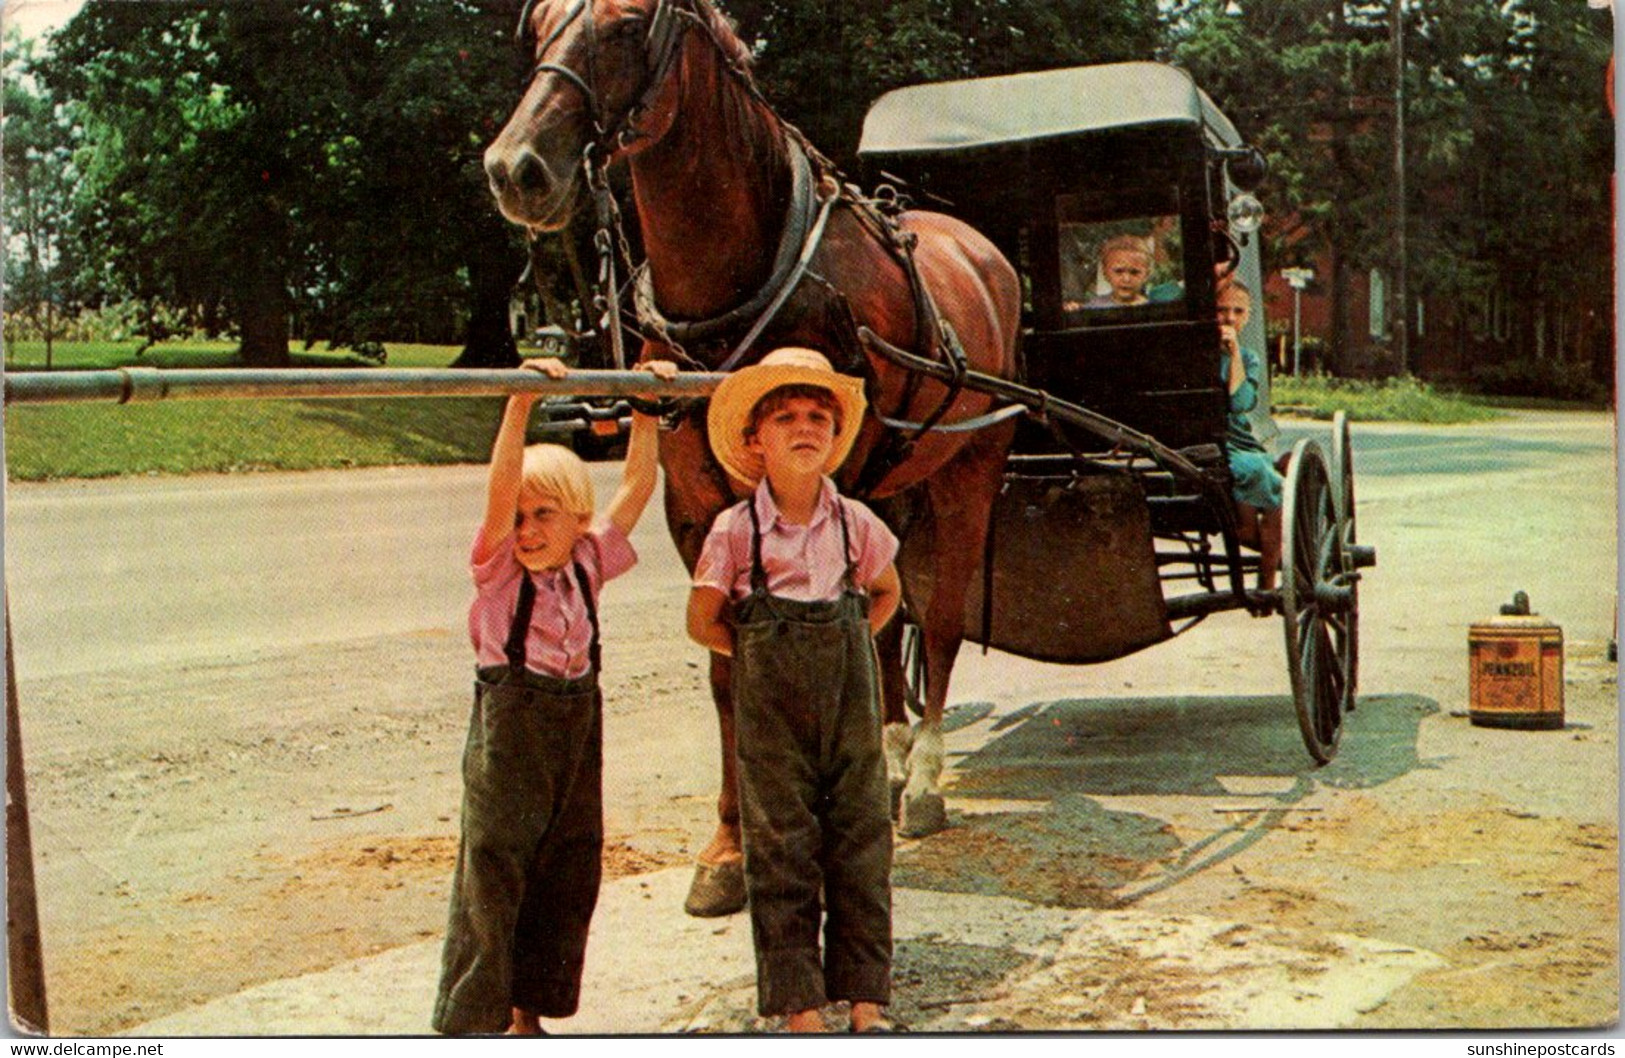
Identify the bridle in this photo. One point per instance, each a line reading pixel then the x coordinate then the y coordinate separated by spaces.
pixel 816 190
pixel 661 45
pixel 668 24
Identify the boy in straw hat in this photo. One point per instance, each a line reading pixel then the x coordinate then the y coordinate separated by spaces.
pixel 792 583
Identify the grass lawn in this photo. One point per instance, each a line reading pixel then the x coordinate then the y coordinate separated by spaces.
pixel 183 437
pixel 1388 400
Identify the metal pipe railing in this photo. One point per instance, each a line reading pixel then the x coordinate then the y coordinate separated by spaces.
pixel 129 385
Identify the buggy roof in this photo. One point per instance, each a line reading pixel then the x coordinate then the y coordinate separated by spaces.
pixel 948 116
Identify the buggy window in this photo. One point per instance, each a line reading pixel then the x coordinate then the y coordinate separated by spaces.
pixel 1117 255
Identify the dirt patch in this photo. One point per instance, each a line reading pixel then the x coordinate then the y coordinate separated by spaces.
pixel 344 900
pixel 1524 915
pixel 1076 854
pixel 1133 971
pixel 929 976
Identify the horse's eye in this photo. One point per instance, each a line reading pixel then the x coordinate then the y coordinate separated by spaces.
pixel 629 29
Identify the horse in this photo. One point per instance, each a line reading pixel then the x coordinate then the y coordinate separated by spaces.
pixel 753 241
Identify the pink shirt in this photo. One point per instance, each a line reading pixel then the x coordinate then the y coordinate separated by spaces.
pixel 560 632
pixel 802 562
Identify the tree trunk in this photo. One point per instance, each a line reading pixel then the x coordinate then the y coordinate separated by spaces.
pixel 1341 357
pixel 262 313
pixel 493 269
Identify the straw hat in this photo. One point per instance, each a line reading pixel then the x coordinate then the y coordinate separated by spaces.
pixel 733 400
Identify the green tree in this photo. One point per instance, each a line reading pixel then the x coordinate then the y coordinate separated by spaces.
pixel 38 171
pixel 822 65
pixel 1517 98
pixel 1508 149
pixel 309 160
pixel 1307 83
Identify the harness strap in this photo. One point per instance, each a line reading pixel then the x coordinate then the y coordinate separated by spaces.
pixel 786 288
pixel 662 41
pixel 798 239
pixel 992 418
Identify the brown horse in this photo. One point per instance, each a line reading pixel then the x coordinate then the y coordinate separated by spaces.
pixel 734 209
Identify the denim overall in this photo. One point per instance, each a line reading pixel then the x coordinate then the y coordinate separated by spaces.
pixel 812 791
pixel 529 861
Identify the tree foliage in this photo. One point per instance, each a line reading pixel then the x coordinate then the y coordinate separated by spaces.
pixel 1508 143
pixel 312 167
pixel 42 263
pixel 315 160
pixel 823 64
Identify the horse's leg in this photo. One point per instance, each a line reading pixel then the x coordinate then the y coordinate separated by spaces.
pixel 896 736
pixel 694 493
pixel 962 495
pixel 719 876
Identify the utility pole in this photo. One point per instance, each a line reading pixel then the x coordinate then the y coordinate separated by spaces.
pixel 1399 315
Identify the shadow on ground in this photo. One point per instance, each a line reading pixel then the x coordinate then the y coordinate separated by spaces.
pixel 1183 745
pixel 1072 851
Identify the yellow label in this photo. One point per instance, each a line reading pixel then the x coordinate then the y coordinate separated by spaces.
pixel 1507 676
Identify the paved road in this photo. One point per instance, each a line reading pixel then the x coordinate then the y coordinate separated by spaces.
pixel 175 569
pixel 209 667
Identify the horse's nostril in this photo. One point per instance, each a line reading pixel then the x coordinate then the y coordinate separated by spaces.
pixel 496 171
pixel 528 173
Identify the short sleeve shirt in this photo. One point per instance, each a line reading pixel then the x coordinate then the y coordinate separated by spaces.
pixel 802 562
pixel 560 630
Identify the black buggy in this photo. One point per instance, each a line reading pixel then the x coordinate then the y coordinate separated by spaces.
pixel 1115 529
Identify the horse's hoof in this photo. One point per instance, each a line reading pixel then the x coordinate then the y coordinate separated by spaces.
pixel 718 889
pixel 922 814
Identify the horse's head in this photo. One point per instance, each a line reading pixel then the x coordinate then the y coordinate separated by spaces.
pixel 600 84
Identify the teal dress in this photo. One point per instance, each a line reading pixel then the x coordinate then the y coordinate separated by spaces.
pixel 1253 477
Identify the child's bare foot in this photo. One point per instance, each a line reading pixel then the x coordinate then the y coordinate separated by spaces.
pixel 868 1017
pixel 525 1024
pixel 806 1021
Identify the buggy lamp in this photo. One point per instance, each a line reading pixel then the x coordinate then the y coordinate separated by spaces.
pixel 1246 214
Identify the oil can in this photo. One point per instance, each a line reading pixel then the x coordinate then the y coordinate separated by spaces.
pixel 1515 670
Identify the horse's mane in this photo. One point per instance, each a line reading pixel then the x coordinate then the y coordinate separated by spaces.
pixel 747 117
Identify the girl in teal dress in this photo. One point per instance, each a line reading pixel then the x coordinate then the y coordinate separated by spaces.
pixel 1255 483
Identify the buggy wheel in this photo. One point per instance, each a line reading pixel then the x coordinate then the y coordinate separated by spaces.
pixel 1317 602
pixel 913 667
pixel 1342 473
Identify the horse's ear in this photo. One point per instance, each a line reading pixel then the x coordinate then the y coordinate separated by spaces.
pixel 521 29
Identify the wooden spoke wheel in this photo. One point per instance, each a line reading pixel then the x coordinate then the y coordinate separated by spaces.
pixel 1342 475
pixel 1318 604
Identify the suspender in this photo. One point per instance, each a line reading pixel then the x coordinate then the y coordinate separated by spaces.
pixel 758 573
pixel 592 615
pixel 514 648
